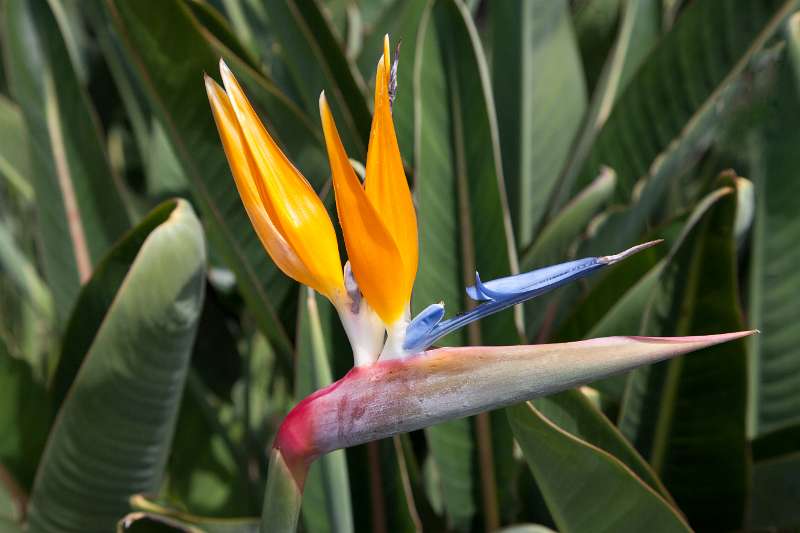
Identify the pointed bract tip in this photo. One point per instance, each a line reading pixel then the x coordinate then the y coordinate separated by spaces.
pixel 615 258
pixel 211 84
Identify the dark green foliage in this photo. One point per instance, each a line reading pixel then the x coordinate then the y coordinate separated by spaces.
pixel 133 360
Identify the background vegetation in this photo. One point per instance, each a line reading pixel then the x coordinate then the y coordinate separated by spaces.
pixel 149 347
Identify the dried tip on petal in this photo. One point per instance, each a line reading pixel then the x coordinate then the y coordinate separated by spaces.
pixel 611 259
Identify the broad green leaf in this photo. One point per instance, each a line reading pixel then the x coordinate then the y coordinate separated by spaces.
pixel 779 442
pixel 161 167
pixel 691 411
pixel 586 488
pixel 457 167
pixel 552 243
pixel 775 485
pixel 11 526
pixel 638 33
pixel 216 25
pixel 251 24
pixel 178 99
pixel 462 213
pixel 596 23
pixel 656 108
pixel 22 272
pixel 625 224
pixel 572 412
pixel 78 199
pixel 616 303
pixel 316 61
pixel 25 415
pixel 114 428
pixel 15 165
pixel 775 261
pixel 326 498
pixel 96 298
pixel 541 94
pixel 615 306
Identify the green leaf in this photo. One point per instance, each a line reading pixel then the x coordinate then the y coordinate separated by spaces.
pixel 655 108
pixel 691 411
pixel 162 170
pixel 452 446
pixel 574 414
pixel 326 499
pixel 625 224
pixel 25 416
pixel 22 272
pixel 80 209
pixel 458 172
pixel 463 218
pixel 560 233
pixel 538 80
pixel 775 261
pixel 596 25
pixel 176 95
pixel 586 488
pixel 616 303
pixel 316 60
pixel 775 485
pixel 96 298
pixel 638 33
pixel 15 164
pixel 113 431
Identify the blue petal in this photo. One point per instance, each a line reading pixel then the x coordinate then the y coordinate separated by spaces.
pixel 476 291
pixel 502 293
pixel 550 277
pixel 419 328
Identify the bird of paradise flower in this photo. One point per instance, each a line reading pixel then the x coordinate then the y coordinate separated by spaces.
pixel 397 384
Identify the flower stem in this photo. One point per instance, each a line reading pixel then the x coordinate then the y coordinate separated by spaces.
pixel 282 497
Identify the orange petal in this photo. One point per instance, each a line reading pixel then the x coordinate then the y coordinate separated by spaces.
pixel 374 257
pixel 285 210
pixel 386 184
pixel 241 166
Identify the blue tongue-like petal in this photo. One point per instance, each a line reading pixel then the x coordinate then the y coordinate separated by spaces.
pixel 548 277
pixel 502 293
